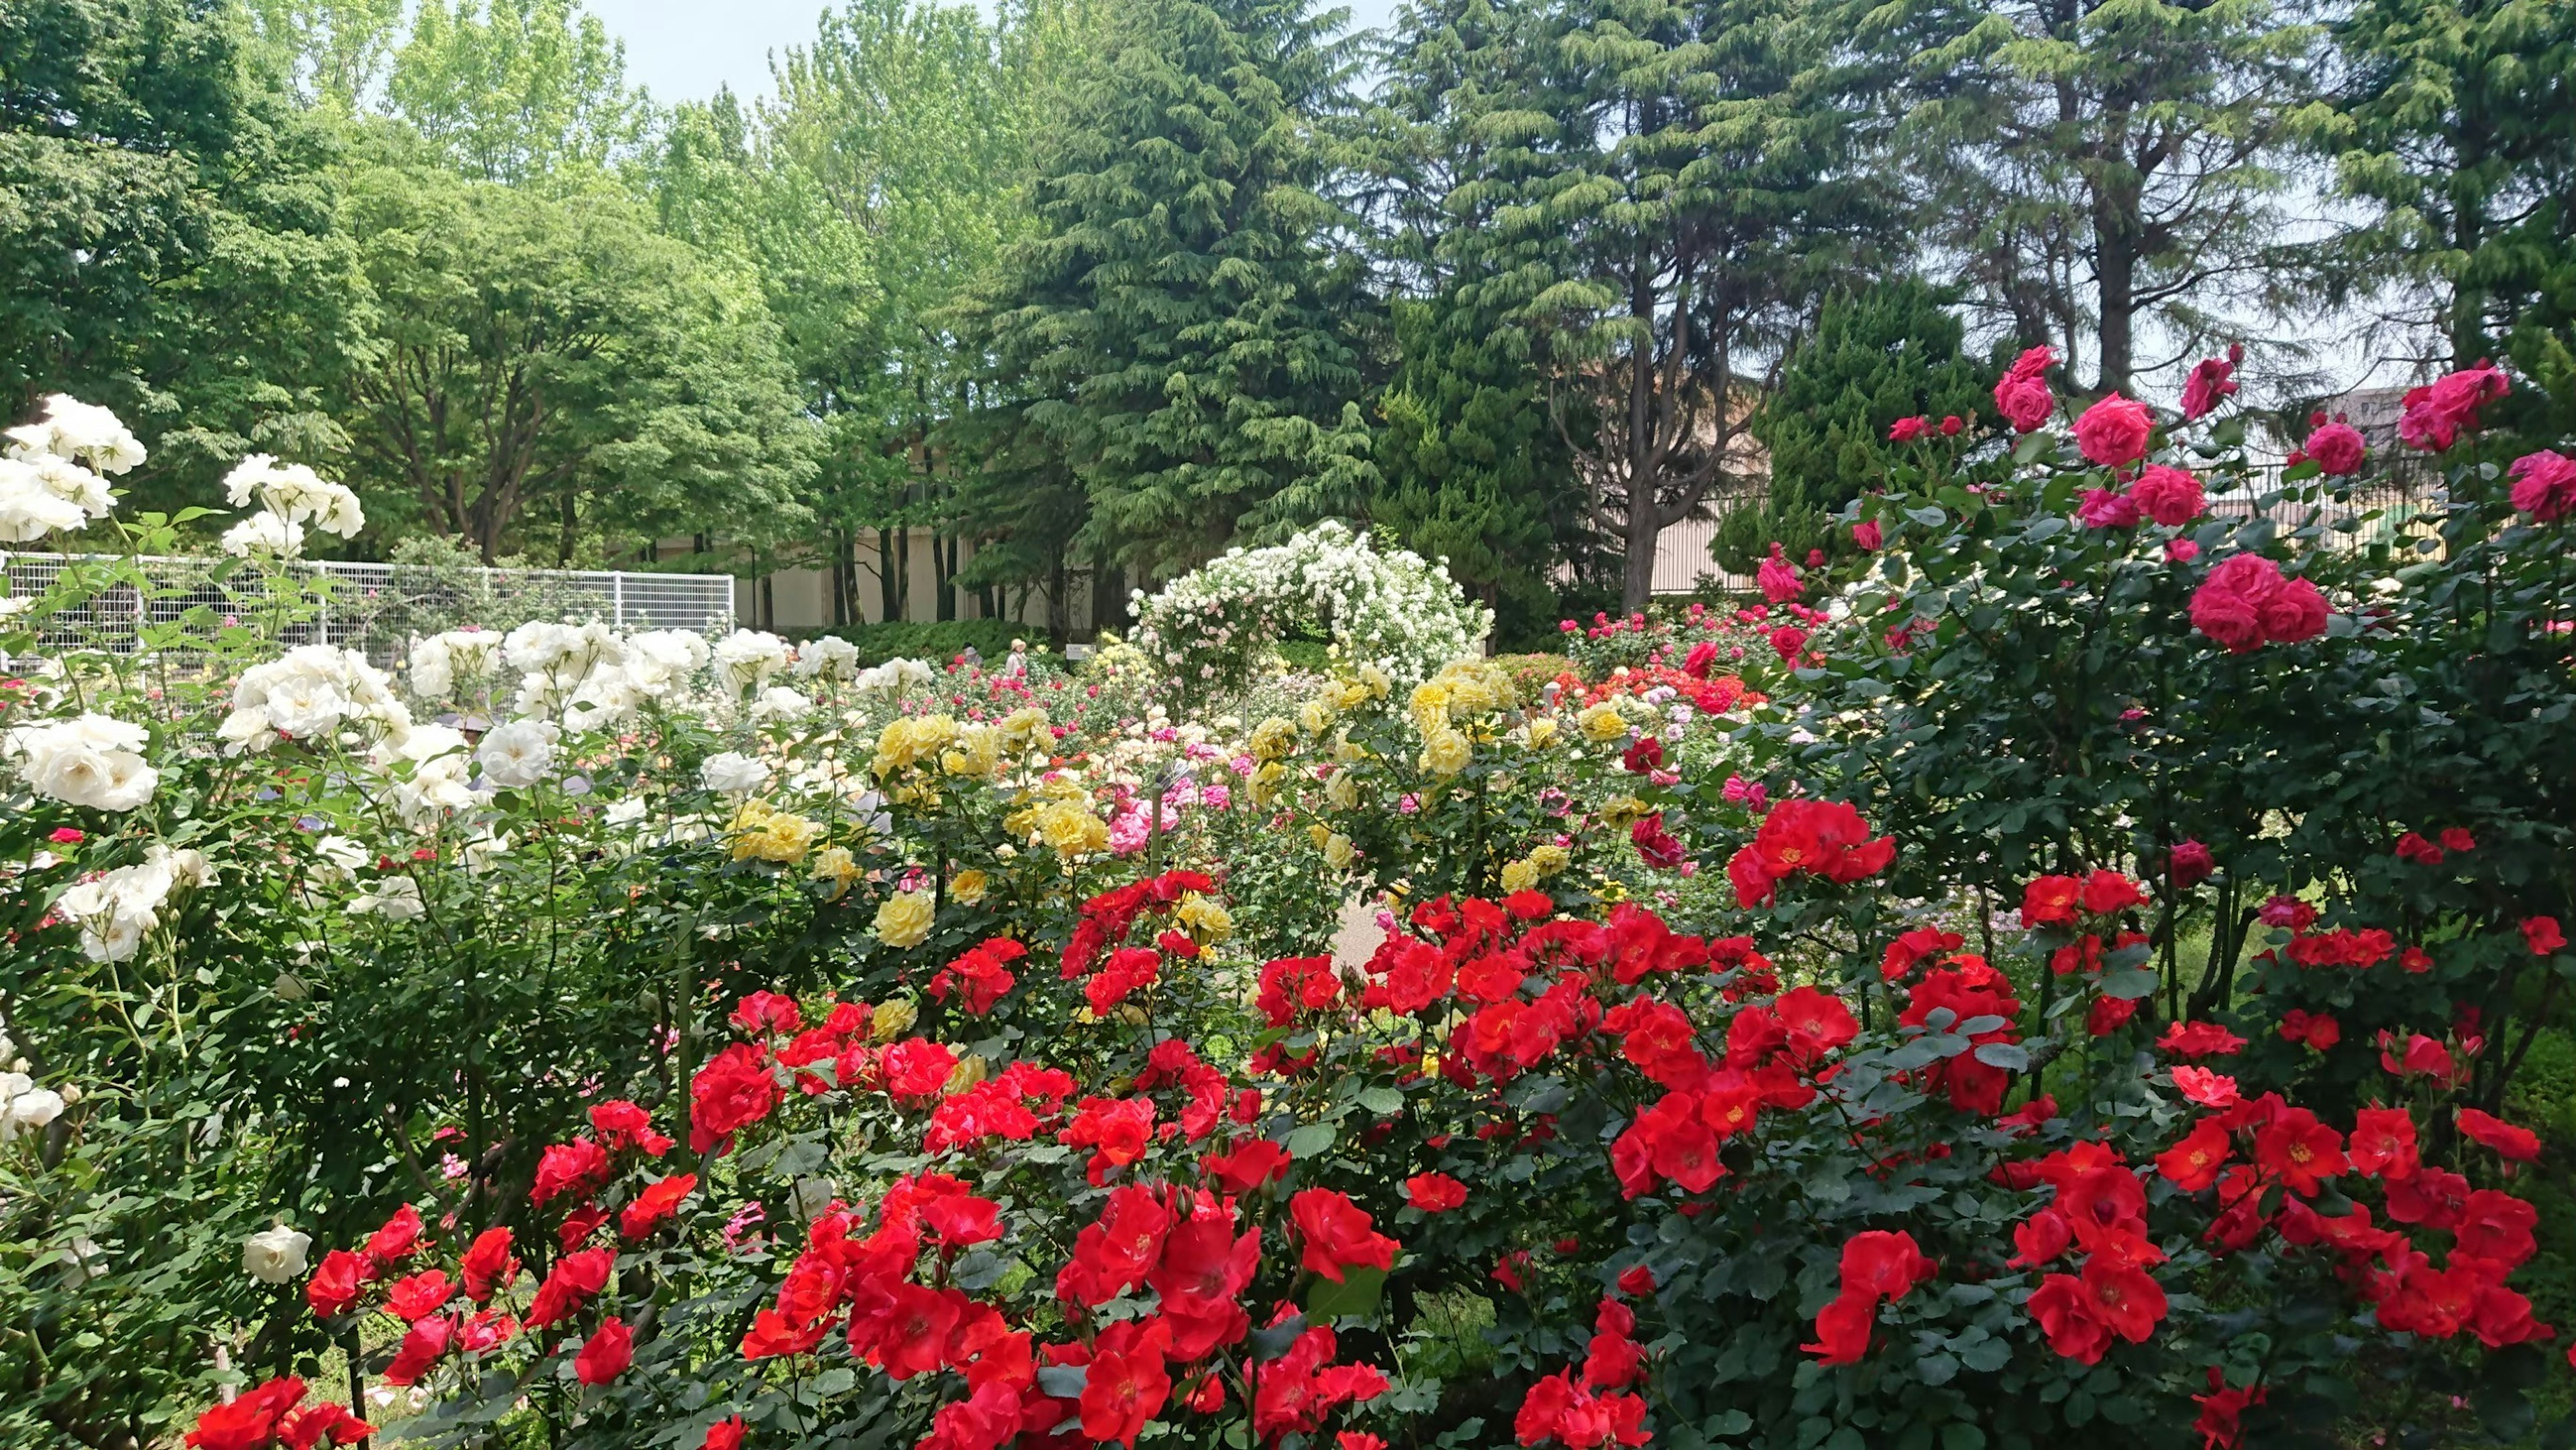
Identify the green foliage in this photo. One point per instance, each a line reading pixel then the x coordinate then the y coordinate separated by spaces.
pixel 2101 169
pixel 1890 351
pixel 545 372
pixel 515 91
pixel 166 230
pixel 2454 124
pixel 1177 329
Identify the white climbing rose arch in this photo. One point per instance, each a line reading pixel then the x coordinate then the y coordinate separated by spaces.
pixel 1392 609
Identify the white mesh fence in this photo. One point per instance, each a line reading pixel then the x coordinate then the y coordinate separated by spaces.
pixel 372 607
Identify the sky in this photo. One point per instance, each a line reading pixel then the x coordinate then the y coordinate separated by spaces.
pixel 682 50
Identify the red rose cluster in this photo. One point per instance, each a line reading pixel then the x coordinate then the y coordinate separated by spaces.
pixel 2246 603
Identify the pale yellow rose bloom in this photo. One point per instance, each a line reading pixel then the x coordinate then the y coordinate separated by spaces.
pixel 903 919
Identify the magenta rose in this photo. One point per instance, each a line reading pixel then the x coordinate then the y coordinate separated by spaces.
pixel 2295 612
pixel 2337 448
pixel 2114 431
pixel 2434 417
pixel 2251 575
pixel 2544 485
pixel 2227 617
pixel 2104 509
pixel 2170 496
pixel 2022 396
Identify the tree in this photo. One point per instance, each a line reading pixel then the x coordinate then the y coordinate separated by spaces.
pixel 554 372
pixel 1178 328
pixel 1474 469
pixel 1704 170
pixel 2094 168
pixel 2456 124
pixel 516 90
pixel 1889 351
pixel 166 235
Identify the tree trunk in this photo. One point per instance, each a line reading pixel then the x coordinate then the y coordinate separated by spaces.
pixel 1637 571
pixel 889 579
pixel 943 566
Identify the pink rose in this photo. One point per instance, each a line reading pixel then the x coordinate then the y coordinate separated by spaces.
pixel 1866 535
pixel 2227 617
pixel 2251 575
pixel 2114 431
pixel 2434 417
pixel 2170 496
pixel 2181 551
pixel 2022 395
pixel 2211 380
pixel 2544 485
pixel 2104 509
pixel 2337 449
pixel 1907 430
pixel 2295 612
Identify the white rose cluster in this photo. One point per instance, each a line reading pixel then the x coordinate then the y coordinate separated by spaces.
pixel 51 470
pixel 276 1255
pixel 423 776
pixel 25 1107
pixel 746 658
pixel 436 666
pixel 310 692
pixel 116 909
pixel 93 760
pixel 1393 610
pixel 829 657
pixel 290 496
pixel 895 678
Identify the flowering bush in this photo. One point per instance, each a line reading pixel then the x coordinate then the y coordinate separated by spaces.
pixel 613 1039
pixel 1389 610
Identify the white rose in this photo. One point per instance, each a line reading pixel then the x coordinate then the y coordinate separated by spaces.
pixel 29 1112
pixel 735 773
pixel 518 754
pixel 395 898
pixel 275 1255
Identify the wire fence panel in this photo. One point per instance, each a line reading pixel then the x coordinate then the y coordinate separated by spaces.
pixel 370 607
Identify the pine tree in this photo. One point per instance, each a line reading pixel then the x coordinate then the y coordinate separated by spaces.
pixel 2456 122
pixel 1890 351
pixel 1178 329
pixel 2099 167
pixel 1475 470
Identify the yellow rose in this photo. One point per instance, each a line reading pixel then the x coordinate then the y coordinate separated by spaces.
pixel 970 1070
pixel 1445 752
pixel 1352 696
pixel 1070 829
pixel 1343 791
pixel 1317 833
pixel 1602 722
pixel 1542 733
pixel 1315 717
pixel 1430 705
pixel 1266 780
pixel 1273 738
pixel 836 865
pixel 966 888
pixel 1519 875
pixel 903 919
pixel 1206 920
pixel 1337 851
pixel 1622 811
pixel 893 1018
pixel 1550 859
pixel 1023 725
pixel 1374 680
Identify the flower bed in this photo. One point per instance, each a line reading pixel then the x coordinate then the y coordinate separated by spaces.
pixel 1971 1022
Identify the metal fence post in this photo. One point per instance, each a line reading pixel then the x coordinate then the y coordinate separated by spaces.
pixel 617 598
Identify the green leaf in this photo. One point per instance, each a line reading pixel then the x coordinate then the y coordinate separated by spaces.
pixel 2010 1056
pixel 1356 1297
pixel 1312 1140
pixel 1386 1102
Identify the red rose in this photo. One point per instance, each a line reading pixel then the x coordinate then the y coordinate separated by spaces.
pixel 574 1279
pixel 334 1286
pixel 2114 431
pixel 2337 448
pixel 2212 379
pixel 606 1354
pixel 488 1265
pixel 733 1091
pixel 2544 485
pixel 2541 934
pixel 1337 1234
pixel 1435 1192
pixel 2189 863
pixel 2294 613
pixel 2170 496
pixel 2022 396
pixel 2519 1144
pixel 1908 430
pixel 1865 536
pixel 654 1204
pixel 2227 617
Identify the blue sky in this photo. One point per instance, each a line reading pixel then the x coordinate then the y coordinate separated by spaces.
pixel 682 50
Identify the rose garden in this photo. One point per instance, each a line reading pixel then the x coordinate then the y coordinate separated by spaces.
pixel 2068 962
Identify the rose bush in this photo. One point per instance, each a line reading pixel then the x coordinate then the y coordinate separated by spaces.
pixel 615 1039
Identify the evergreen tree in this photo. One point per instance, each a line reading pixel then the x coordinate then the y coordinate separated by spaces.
pixel 1890 351
pixel 2456 122
pixel 1178 330
pixel 2097 167
pixel 1704 169
pixel 1474 469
